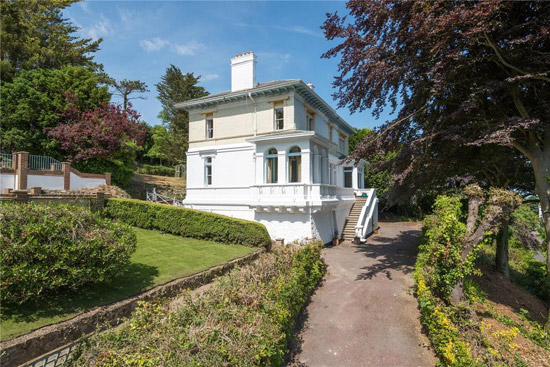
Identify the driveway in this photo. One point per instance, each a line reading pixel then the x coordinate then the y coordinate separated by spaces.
pixel 364 312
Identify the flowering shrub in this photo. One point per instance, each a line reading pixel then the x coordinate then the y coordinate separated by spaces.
pixel 45 248
pixel 244 319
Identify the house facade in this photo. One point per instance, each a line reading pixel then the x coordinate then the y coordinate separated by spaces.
pixel 272 152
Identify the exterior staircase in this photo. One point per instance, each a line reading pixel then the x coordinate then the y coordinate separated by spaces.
pixel 351 221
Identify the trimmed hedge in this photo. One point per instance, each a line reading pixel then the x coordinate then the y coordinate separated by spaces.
pixel 244 319
pixel 187 222
pixel 157 170
pixel 46 248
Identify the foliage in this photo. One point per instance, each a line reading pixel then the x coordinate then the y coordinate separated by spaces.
pixel 467 77
pixel 159 258
pixel 157 170
pixel 173 88
pixel 34 35
pixel 36 100
pixel 525 270
pixel 444 235
pixel 244 319
pixel 357 137
pixel 46 248
pixel 163 142
pixel 125 88
pixel 444 335
pixel 187 222
pixel 525 222
pixel 102 140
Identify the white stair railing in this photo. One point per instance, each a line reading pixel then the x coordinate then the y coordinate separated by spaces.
pixel 368 219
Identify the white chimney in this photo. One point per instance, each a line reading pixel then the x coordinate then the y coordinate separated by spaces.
pixel 243 71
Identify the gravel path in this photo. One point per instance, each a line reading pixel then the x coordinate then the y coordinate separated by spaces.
pixel 364 312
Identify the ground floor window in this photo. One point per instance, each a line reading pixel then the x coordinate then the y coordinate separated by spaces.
pixel 294 164
pixel 208 171
pixel 348 174
pixel 271 167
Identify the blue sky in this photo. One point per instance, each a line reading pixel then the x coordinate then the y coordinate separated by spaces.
pixel 142 38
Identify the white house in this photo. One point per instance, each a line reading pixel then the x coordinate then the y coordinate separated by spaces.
pixel 273 152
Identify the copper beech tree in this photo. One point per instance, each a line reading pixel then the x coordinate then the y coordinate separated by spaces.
pixel 461 75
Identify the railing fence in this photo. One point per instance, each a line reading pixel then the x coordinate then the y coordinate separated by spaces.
pixel 6 160
pixel 40 162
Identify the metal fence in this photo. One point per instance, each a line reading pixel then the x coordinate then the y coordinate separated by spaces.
pixel 155 197
pixel 6 160
pixel 40 162
pixel 54 358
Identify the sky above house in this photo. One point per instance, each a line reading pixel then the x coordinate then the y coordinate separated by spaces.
pixel 142 38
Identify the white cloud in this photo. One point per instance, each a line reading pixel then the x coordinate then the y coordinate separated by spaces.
pixel 84 6
pixel 301 30
pixel 208 77
pixel 153 45
pixel 189 48
pixel 156 44
pixel 102 28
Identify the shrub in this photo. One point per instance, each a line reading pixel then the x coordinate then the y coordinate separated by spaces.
pixel 157 170
pixel 244 319
pixel 187 222
pixel 45 248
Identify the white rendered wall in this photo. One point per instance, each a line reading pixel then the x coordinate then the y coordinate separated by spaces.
pixel 78 182
pixel 45 182
pixel 7 181
pixel 289 226
pixel 232 166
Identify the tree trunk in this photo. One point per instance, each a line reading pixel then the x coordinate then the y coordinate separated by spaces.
pixel 475 199
pixel 501 259
pixel 541 166
pixel 500 206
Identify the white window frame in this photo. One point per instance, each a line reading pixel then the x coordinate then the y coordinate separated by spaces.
pixel 267 158
pixel 342 144
pixel 276 120
pixel 209 130
pixel 208 166
pixel 290 156
pixel 310 122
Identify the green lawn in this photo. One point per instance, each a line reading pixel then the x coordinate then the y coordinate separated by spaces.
pixel 159 258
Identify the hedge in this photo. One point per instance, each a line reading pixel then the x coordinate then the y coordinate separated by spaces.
pixel 245 319
pixel 187 222
pixel 157 170
pixel 46 248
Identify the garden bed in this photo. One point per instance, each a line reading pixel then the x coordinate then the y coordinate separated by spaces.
pixel 158 259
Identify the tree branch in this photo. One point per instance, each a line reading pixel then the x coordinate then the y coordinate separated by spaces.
pixel 491 44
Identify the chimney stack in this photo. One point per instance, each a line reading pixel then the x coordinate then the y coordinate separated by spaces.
pixel 243 71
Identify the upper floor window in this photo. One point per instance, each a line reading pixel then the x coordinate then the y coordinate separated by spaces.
pixel 271 166
pixel 207 171
pixel 279 117
pixel 209 126
pixel 330 130
pixel 342 144
pixel 294 164
pixel 309 122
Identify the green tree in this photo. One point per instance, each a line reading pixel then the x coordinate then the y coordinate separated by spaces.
pixel 36 100
pixel 34 34
pixel 125 88
pixel 162 144
pixel 358 137
pixel 173 88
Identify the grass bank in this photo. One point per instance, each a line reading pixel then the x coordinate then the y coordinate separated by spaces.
pixel 159 258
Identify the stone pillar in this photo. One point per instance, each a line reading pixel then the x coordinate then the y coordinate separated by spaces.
pixel 21 196
pixel 22 169
pixel 98 203
pixel 108 179
pixel 36 190
pixel 66 169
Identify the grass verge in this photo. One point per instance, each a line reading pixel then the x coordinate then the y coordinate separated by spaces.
pixel 159 258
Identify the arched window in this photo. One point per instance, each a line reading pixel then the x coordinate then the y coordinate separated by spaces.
pixel 294 165
pixel 271 167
